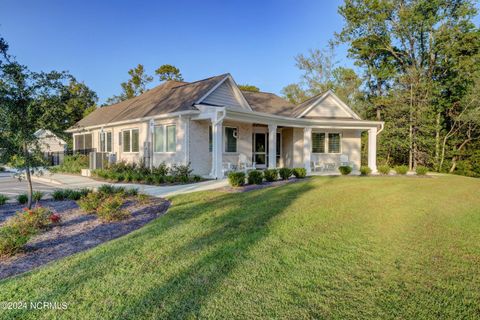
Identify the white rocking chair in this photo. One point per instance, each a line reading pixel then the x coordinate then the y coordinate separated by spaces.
pixel 344 160
pixel 318 165
pixel 244 164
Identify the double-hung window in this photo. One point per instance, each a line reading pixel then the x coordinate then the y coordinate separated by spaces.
pixel 318 142
pixel 334 143
pixel 231 139
pixel 130 139
pixel 326 143
pixel 105 141
pixel 83 141
pixel 165 138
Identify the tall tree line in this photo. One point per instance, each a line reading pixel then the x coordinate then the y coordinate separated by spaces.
pixel 420 73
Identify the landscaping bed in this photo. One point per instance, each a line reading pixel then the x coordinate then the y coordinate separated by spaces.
pixel 75 232
pixel 264 184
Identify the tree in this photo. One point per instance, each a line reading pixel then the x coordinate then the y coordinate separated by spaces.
pixel 399 46
pixel 29 101
pixel 168 72
pixel 321 74
pixel 135 86
pixel 248 87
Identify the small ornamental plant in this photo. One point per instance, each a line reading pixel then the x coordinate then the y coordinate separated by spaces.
pixel 384 169
pixel 270 175
pixel 285 173
pixel 345 170
pixel 236 179
pixel 365 171
pixel 3 199
pixel 110 209
pixel 421 170
pixel 299 173
pixel 91 202
pixel 55 218
pixel 255 177
pixel 401 170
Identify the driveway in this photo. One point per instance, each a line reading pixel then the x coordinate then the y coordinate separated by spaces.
pixel 12 187
pixel 64 181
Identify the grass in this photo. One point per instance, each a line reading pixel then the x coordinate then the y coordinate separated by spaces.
pixel 344 247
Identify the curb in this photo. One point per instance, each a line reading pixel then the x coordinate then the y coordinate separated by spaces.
pixel 47 180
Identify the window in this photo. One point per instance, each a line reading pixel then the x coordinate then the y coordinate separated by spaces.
pixel 210 139
pixel 230 139
pixel 158 139
pixel 334 142
pixel 83 141
pixel 318 142
pixel 165 138
pixel 130 140
pixel 105 141
pixel 171 139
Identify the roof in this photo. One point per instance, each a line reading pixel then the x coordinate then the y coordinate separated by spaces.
pixel 305 104
pixel 268 103
pixel 171 96
pixel 44 133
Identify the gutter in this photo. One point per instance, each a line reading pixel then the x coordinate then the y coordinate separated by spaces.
pixel 162 116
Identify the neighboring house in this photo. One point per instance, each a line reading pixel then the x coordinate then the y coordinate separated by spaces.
pixel 215 126
pixel 50 142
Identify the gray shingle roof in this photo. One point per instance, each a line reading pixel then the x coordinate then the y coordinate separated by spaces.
pixel 269 103
pixel 171 96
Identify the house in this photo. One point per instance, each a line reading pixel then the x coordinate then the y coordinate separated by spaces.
pixel 215 126
pixel 49 142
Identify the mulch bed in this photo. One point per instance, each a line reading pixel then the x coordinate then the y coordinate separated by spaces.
pixel 250 187
pixel 76 232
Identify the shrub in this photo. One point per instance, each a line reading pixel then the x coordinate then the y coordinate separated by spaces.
pixel 3 199
pixel 255 177
pixel 384 169
pixel 37 195
pixel 72 194
pixel 162 169
pixel 270 174
pixel 34 219
pixel 107 189
pixel 11 240
pixel 299 173
pixel 72 164
pixel 197 178
pixel 365 171
pixel 345 170
pixel 22 198
pixel 91 202
pixel 181 173
pixel 54 218
pixel 236 179
pixel 2 169
pixel 142 198
pixel 421 170
pixel 131 192
pixel 285 173
pixel 58 195
pixel 158 179
pixel 110 209
pixel 401 169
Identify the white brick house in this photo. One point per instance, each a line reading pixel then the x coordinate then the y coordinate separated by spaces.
pixel 215 126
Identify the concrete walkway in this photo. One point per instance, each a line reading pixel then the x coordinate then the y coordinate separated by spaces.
pixel 66 181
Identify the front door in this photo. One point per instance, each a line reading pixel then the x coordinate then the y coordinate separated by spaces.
pixel 260 147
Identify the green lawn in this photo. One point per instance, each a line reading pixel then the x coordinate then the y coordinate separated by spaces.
pixel 325 248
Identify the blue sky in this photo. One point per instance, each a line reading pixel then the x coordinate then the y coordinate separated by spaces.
pixel 98 41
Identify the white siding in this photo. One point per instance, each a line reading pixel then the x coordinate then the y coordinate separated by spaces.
pixel 328 108
pixel 223 96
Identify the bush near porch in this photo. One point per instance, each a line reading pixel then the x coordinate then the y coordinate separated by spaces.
pixel 71 164
pixel 138 173
pixel 257 177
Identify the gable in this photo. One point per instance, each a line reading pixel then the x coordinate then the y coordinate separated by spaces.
pixel 328 106
pixel 226 94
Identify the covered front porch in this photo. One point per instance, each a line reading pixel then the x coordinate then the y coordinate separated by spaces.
pixel 241 141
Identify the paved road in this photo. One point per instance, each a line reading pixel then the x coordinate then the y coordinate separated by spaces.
pixel 11 187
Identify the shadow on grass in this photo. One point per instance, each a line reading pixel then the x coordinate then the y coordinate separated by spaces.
pixel 228 240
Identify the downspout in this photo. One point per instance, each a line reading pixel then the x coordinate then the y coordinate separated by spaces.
pixel 381 128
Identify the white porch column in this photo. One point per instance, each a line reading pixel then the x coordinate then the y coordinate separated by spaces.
pixel 217 149
pixel 272 146
pixel 372 149
pixel 307 149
